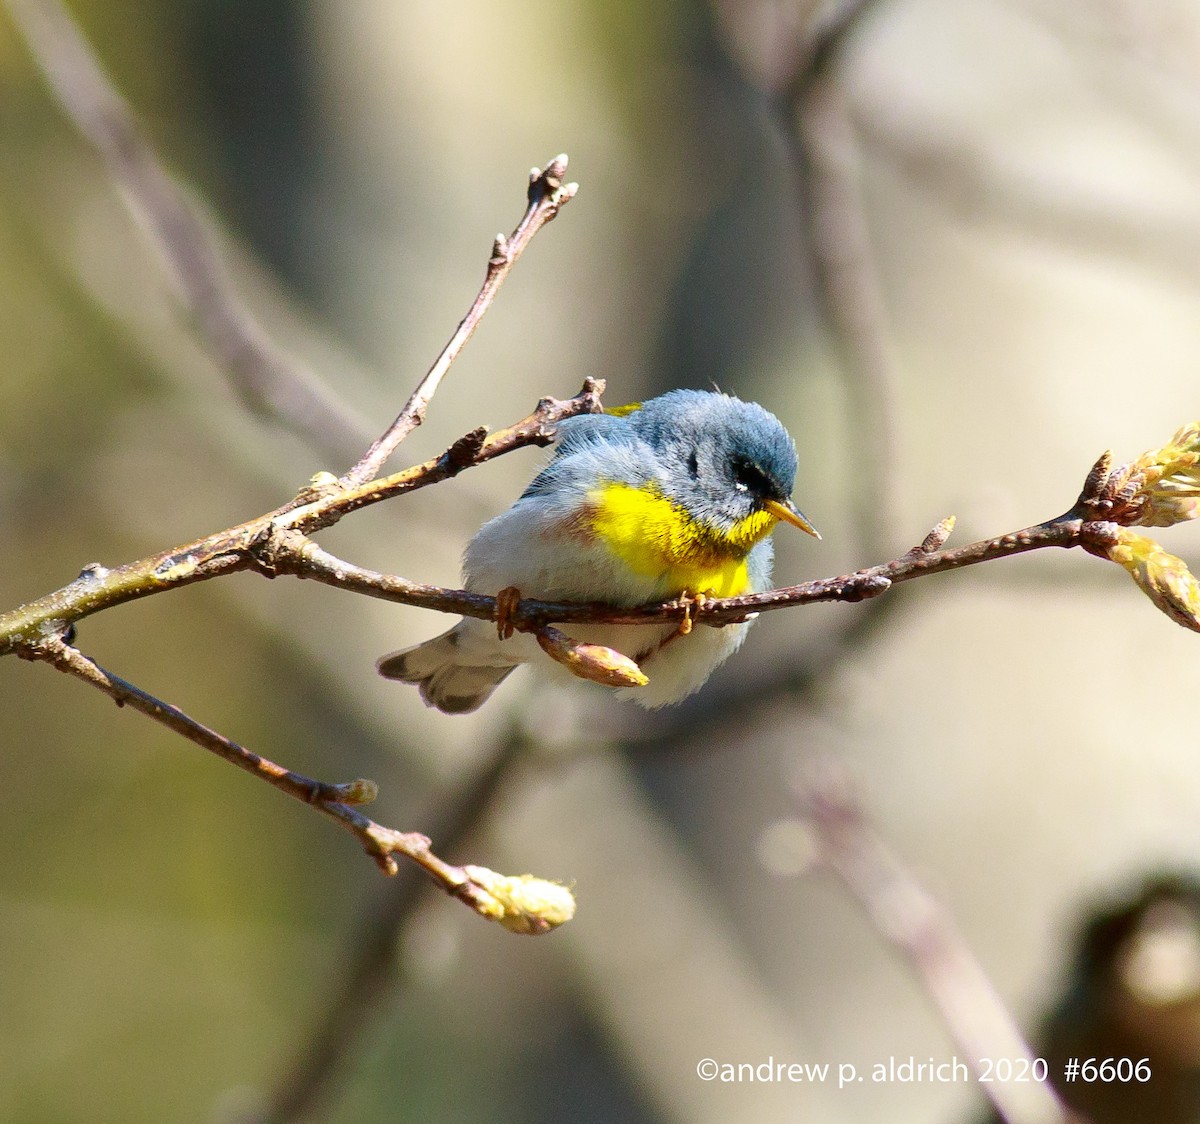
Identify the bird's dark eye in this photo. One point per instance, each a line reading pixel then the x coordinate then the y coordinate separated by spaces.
pixel 693 464
pixel 748 477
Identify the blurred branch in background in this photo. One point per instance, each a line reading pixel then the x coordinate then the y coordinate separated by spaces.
pixel 39 630
pixel 825 160
pixel 1130 1009
pixel 815 122
pixel 269 384
pixel 905 914
pixel 268 381
pixel 796 64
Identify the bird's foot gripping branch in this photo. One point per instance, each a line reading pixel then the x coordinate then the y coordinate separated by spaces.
pixel 1157 489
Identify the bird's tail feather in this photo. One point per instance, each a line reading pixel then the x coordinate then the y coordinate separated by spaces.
pixel 445 680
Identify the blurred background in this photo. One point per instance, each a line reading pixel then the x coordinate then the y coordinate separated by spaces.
pixel 958 254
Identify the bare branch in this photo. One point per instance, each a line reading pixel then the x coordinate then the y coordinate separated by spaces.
pixel 69 659
pixel 268 382
pixel 909 917
pixel 259 544
pixel 278 543
pixel 547 196
pixel 305 558
pixel 530 906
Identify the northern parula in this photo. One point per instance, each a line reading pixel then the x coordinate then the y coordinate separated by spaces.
pixel 676 495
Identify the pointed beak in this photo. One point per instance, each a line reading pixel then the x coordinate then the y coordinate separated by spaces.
pixel 787 512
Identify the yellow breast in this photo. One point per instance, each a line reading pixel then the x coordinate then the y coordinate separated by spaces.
pixel 662 542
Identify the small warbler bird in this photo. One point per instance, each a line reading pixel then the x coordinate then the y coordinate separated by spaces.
pixel 674 496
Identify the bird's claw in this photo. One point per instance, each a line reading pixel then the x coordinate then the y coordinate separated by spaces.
pixel 693 603
pixel 507 601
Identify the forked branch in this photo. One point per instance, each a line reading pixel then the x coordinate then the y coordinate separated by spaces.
pixel 547 196
pixel 43 629
pixel 1157 489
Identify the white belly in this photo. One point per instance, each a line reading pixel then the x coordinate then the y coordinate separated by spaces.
pixel 516 549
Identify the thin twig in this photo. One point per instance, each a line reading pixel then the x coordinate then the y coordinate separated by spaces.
pixel 337 801
pixel 261 543
pixel 909 917
pixel 273 545
pixel 69 659
pixel 547 196
pixel 306 559
pixel 268 382
pixel 38 629
pixel 277 543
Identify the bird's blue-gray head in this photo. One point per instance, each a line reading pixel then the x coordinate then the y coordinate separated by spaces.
pixel 721 459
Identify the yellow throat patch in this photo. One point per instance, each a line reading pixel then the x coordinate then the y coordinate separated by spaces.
pixel 657 539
